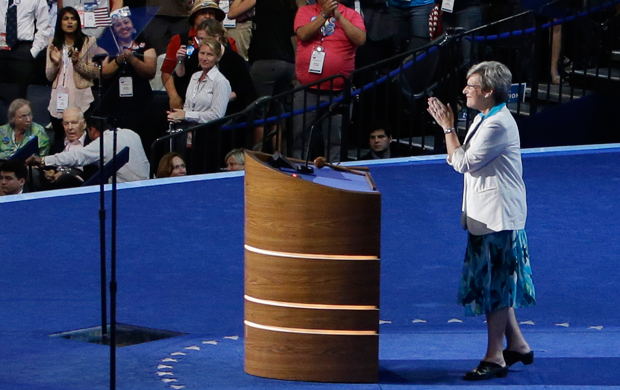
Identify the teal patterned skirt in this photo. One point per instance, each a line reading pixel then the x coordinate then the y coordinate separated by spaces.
pixel 496 273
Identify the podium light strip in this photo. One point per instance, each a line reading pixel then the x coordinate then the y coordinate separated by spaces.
pixel 308 305
pixel 308 255
pixel 313 331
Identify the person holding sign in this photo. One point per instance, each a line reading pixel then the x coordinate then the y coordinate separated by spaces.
pixel 127 72
pixel 70 69
pixel 497 275
pixel 328 34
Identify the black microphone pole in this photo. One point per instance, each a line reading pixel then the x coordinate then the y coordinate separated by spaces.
pixel 102 212
pixel 306 169
pixel 113 283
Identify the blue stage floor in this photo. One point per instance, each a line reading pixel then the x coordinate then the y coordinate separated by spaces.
pixel 180 268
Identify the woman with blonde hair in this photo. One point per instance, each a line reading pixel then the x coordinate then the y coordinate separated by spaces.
pixel 208 91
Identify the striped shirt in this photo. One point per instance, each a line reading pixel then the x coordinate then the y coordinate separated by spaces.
pixel 207 100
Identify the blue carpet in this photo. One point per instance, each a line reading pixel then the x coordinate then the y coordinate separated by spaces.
pixel 180 268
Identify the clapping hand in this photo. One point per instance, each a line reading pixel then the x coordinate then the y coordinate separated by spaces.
pixel 329 7
pixel 443 115
pixel 75 55
pixel 55 55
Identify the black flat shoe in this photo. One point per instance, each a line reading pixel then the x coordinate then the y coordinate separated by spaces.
pixel 486 370
pixel 512 357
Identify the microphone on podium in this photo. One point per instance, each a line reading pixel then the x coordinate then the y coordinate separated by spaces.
pixel 306 169
pixel 320 162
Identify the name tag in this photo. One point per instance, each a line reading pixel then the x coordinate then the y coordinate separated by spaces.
pixel 447 5
pixel 227 23
pixel 3 45
pixel 125 87
pixel 316 61
pixel 89 19
pixel 62 101
pixel 62 98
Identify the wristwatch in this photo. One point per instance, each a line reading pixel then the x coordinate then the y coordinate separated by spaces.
pixel 448 130
pixel 326 17
pixel 43 161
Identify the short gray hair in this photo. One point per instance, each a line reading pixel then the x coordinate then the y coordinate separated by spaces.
pixel 493 75
pixel 14 106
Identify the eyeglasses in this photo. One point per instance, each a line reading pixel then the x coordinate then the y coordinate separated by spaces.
pixel 473 86
pixel 179 166
pixel 25 117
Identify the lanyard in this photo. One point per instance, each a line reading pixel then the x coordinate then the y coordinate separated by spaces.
pixel 197 89
pixel 65 63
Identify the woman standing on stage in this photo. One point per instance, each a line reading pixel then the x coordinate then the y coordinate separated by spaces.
pixel 497 277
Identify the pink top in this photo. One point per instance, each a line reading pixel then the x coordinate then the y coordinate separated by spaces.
pixel 339 50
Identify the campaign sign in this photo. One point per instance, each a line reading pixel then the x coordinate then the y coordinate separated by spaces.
pixel 515 92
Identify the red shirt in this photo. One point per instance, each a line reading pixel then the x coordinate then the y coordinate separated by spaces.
pixel 171 52
pixel 170 62
pixel 339 50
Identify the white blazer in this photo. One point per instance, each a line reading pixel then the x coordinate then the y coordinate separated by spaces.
pixel 494 196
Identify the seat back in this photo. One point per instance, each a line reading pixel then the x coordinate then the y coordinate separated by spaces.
pixel 31 147
pixel 39 97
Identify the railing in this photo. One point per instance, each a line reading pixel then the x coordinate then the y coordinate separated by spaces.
pixel 395 90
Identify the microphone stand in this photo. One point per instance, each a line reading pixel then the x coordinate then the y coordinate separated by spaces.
pixel 102 210
pixel 306 169
pixel 102 215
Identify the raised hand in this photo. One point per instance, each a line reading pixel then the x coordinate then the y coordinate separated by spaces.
pixel 55 55
pixel 443 115
pixel 182 53
pixel 329 7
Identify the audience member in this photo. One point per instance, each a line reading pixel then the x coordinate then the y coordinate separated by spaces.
pixel 411 20
pixel 328 34
pixel 74 126
pixel 76 137
pixel 179 45
pixel 95 13
pixel 468 15
pixel 380 140
pixel 232 66
pixel 208 90
pixel 170 20
pixel 20 130
pixel 25 27
pixel 137 168
pixel 13 175
pixel 271 52
pixel 69 68
pixel 380 31
pixel 235 160
pixel 128 69
pixel 171 165
pixel 240 24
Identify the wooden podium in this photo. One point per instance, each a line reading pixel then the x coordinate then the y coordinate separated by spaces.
pixel 312 249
